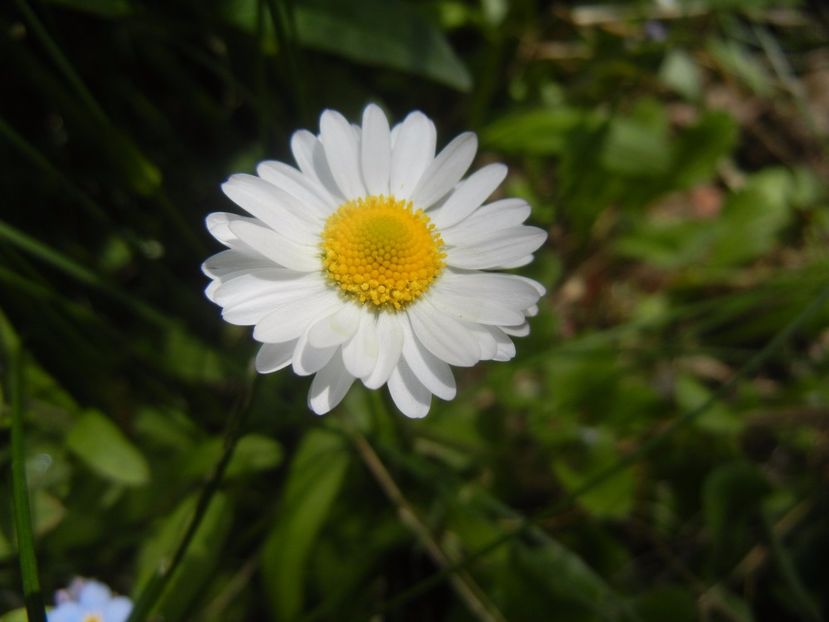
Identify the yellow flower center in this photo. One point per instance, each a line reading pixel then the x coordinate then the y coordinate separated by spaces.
pixel 381 252
pixel 92 617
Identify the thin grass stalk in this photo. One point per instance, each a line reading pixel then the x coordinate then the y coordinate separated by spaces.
pixel 32 595
pixel 475 599
pixel 154 588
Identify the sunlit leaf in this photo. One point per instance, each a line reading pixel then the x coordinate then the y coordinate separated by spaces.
pixel 680 72
pixel 104 448
pixel 18 615
pixel 537 132
pixel 385 33
pixel 638 145
pixel 315 478
pixel 611 499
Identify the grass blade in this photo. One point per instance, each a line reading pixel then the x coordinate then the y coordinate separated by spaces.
pixel 20 491
pixel 155 586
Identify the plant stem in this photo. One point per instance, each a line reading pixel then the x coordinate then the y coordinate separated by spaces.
pixel 20 490
pixel 154 588
pixel 462 582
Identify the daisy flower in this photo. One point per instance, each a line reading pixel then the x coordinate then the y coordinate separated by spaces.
pixel 89 601
pixel 372 260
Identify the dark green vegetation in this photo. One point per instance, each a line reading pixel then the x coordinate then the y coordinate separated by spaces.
pixel 659 449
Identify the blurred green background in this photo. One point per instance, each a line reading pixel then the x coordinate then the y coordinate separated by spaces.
pixel 675 152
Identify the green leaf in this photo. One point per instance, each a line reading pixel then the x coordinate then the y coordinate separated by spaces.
pixel 106 450
pixel 718 419
pixel 200 560
pixel 47 512
pixel 315 478
pixel 190 358
pixel 253 453
pixel 737 61
pixel 613 498
pixel 668 245
pixel 667 603
pixel 753 217
pixel 700 148
pixel 102 8
pixel 732 498
pixel 384 33
pixel 680 72
pixel 535 132
pixel 638 145
pixel 388 33
pixel 17 615
pixel 547 576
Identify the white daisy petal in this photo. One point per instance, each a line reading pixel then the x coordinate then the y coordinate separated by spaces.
pixel 246 309
pixel 336 328
pixel 413 151
pixel 445 337
pixel 232 261
pixel 272 206
pixel 218 225
pixel 486 341
pixel 309 193
pixel 262 281
pixel 342 153
pixel 435 374
pixel 478 310
pixel 505 348
pixel 469 195
pixel 445 170
pixel 521 330
pixel 360 353
pixel 518 263
pixel 289 320
pixel 409 395
pixel 532 283
pixel 375 148
pixel 276 247
pixel 481 224
pixel 504 289
pixel 252 311
pixel 274 356
pixel 308 359
pixel 509 246
pixel 390 338
pixel 329 386
pixel 310 158
pixel 303 146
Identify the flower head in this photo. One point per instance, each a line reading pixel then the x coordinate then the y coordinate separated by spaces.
pixel 371 260
pixel 86 600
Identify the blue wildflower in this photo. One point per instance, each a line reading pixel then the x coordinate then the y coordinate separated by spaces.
pixel 89 601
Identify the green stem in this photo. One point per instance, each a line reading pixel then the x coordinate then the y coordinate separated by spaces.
pixel 801 598
pixel 282 17
pixel 154 588
pixel 58 57
pixel 20 491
